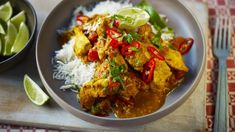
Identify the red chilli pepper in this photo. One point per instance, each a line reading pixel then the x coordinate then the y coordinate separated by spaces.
pixel 147 74
pixel 114 43
pixel 127 51
pixel 93 55
pixel 82 18
pixel 155 53
pixel 186 46
pixel 112 33
pixel 116 23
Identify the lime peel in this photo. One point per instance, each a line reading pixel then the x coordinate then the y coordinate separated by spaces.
pixel 34 92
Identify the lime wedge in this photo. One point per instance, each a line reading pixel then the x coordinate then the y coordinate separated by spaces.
pixel 34 92
pixel 9 39
pixel 18 19
pixel 2 31
pixel 21 38
pixel 6 11
pixel 3 27
pixel 133 17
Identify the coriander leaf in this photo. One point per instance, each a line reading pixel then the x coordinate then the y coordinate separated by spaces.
pixel 134 49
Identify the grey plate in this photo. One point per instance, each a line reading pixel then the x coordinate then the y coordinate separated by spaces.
pixel 180 18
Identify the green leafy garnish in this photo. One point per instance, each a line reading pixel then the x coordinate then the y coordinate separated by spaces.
pixel 134 49
pixel 115 72
pixel 130 37
pixel 95 109
pixel 155 18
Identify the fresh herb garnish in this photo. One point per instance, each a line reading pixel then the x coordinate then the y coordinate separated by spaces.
pixel 121 19
pixel 115 72
pixel 155 18
pixel 134 49
pixel 130 37
pixel 95 109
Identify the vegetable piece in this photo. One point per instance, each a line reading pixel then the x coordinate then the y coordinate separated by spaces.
pixel 186 46
pixel 155 18
pixel 112 33
pixel 93 37
pixel 114 43
pixel 182 44
pixel 147 74
pixel 130 49
pixel 155 53
pixel 116 23
pixel 126 51
pixel 82 18
pixel 93 55
pixel 130 37
pixel 115 72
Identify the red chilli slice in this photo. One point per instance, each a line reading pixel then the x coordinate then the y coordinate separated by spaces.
pixel 147 74
pixel 155 53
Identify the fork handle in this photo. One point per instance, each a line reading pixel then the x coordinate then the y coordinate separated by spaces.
pixel 220 121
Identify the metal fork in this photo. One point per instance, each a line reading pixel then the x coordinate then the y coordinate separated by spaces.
pixel 221 48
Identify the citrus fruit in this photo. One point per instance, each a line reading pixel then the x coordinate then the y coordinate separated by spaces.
pixel 21 38
pixel 133 17
pixel 34 92
pixel 6 11
pixel 9 38
pixel 18 19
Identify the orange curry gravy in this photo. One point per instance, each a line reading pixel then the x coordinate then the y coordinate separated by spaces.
pixel 144 103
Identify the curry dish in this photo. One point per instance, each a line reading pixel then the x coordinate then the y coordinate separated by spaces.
pixel 134 73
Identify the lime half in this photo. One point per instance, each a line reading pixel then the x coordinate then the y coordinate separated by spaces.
pixel 21 39
pixel 6 11
pixel 133 17
pixel 9 39
pixel 18 19
pixel 34 92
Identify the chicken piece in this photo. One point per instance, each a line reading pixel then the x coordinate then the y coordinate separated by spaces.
pixel 133 85
pixel 91 91
pixel 162 73
pixel 174 59
pixel 82 44
pixel 102 45
pixel 146 33
pixel 138 59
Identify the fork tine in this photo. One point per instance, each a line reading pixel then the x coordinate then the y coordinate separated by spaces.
pixel 225 37
pixel 229 33
pixel 216 33
pixel 220 39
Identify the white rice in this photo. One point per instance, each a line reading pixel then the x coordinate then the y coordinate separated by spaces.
pixel 104 7
pixel 71 69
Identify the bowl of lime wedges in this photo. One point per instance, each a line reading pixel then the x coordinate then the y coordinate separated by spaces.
pixel 18 25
